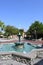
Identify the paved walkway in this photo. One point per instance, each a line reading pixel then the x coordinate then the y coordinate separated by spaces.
pixel 34 42
pixel 12 40
pixel 4 40
pixel 10 62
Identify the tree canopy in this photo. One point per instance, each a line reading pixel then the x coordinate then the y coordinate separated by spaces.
pixel 2 26
pixel 36 27
pixel 10 30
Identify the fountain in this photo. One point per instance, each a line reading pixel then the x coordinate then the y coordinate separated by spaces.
pixel 19 35
pixel 19 44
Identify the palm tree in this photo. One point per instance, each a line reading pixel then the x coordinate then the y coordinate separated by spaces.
pixel 2 26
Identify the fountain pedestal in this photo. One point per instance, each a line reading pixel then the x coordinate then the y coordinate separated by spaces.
pixel 19 44
pixel 19 36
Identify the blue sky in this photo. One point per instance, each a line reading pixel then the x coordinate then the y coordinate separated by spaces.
pixel 21 13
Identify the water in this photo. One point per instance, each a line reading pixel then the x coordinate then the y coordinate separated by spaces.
pixel 11 47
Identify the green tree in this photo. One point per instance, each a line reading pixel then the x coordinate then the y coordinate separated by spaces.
pixel 2 26
pixel 36 28
pixel 10 30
